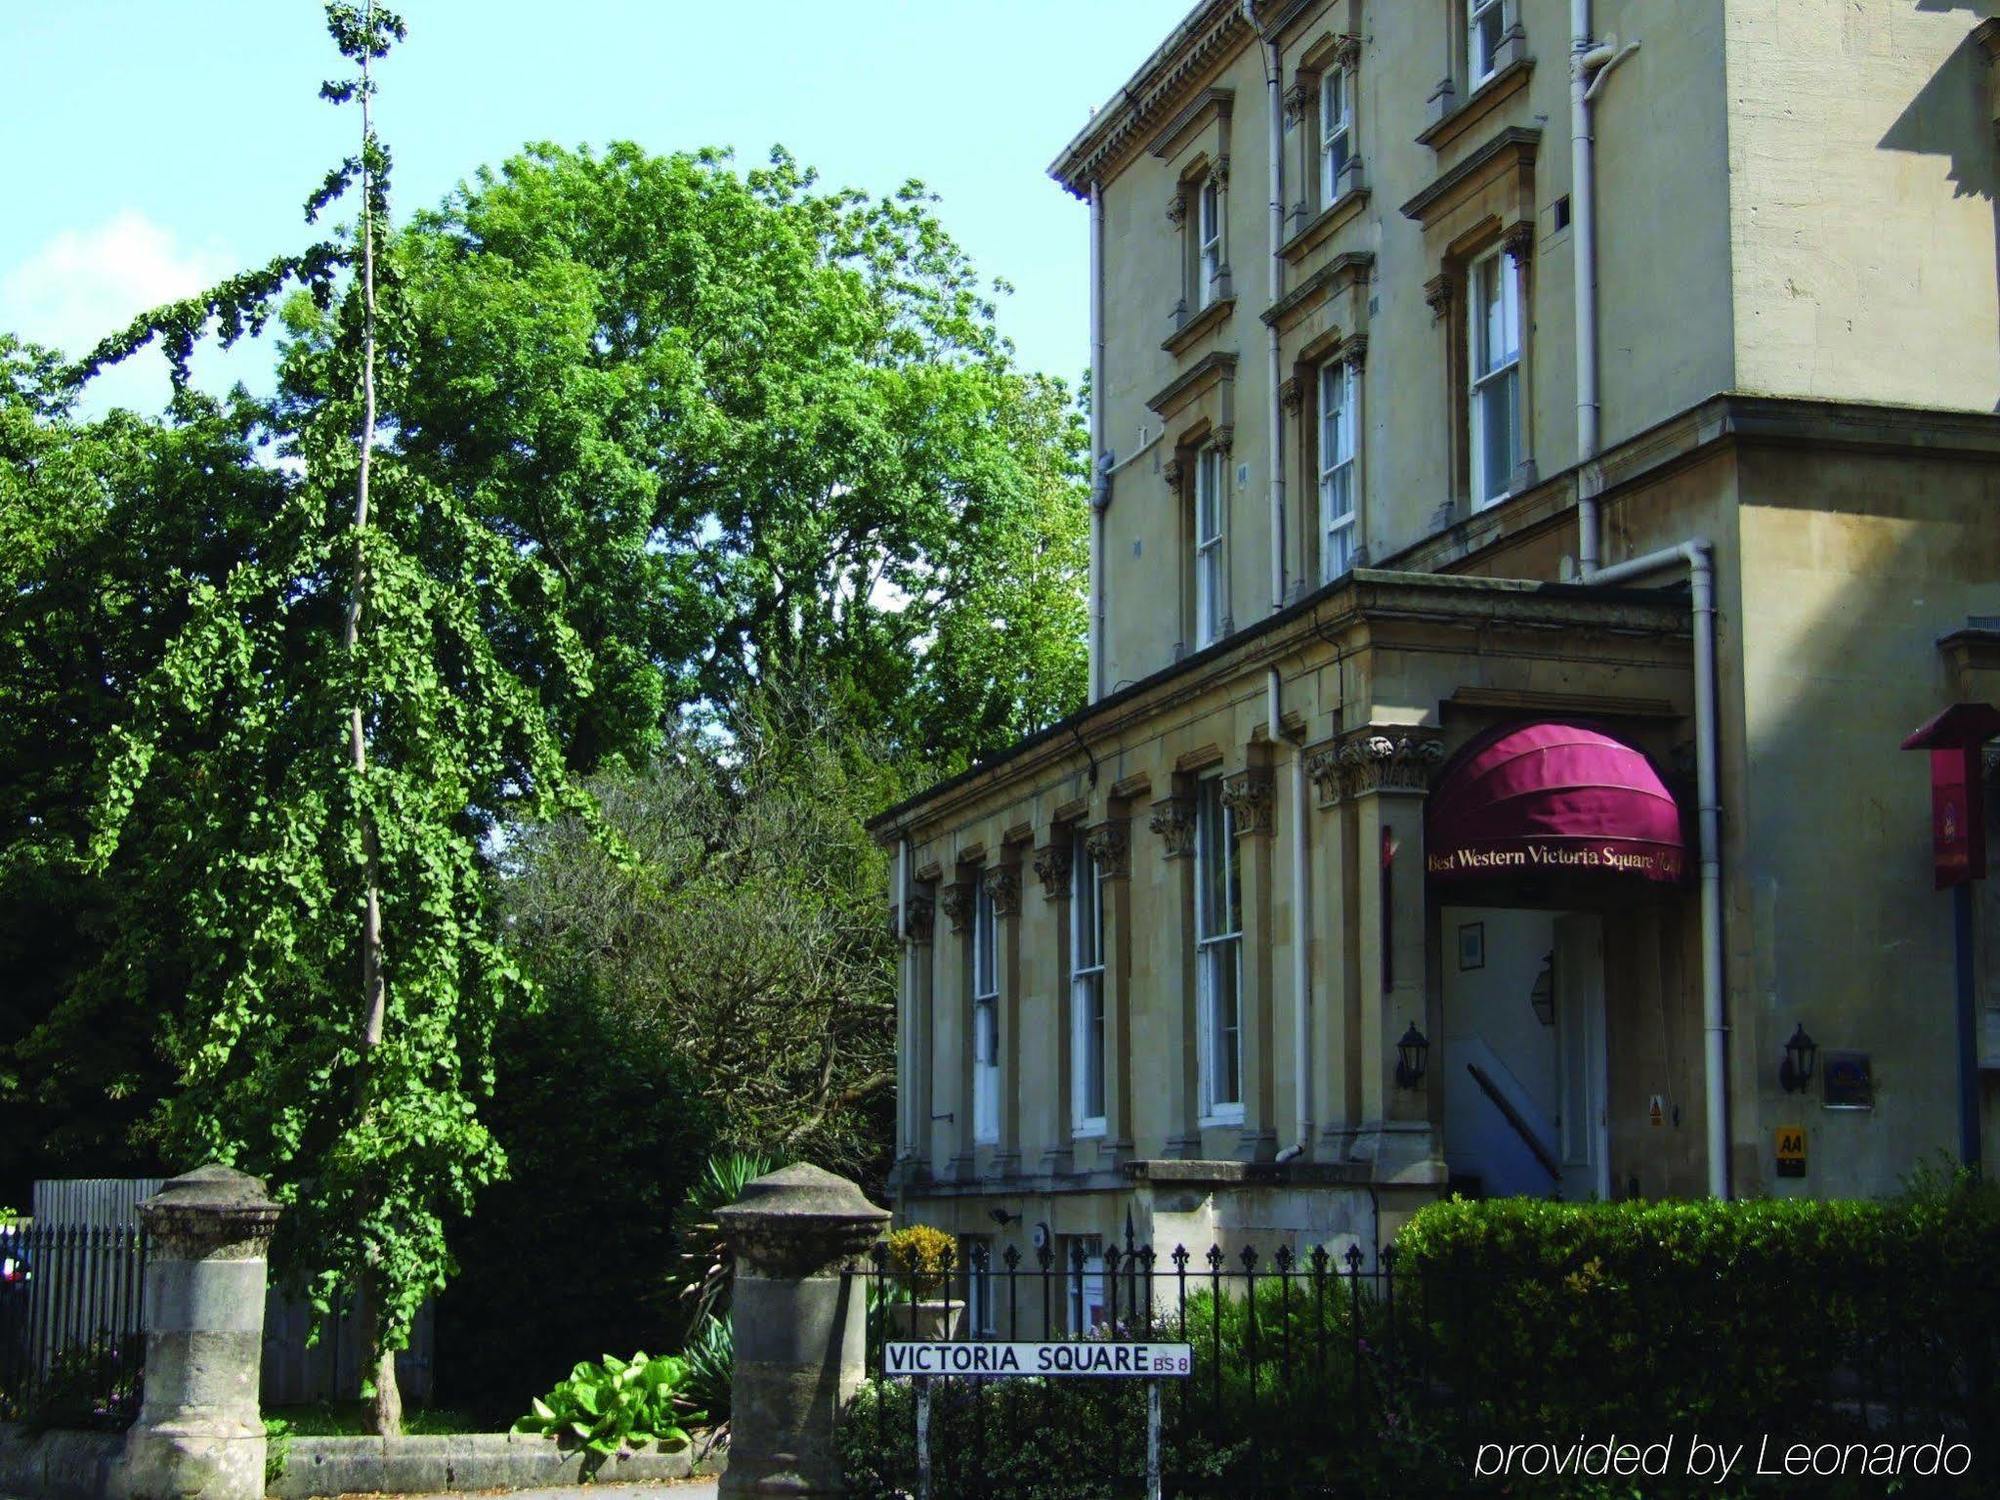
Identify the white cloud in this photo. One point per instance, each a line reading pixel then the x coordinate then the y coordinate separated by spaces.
pixel 85 283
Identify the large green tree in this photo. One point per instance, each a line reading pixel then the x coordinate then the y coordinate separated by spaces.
pixel 644 437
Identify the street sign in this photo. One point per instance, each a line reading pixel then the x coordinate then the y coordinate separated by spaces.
pixel 1068 1357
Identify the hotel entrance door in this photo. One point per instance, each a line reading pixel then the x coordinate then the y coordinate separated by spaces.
pixel 1524 1052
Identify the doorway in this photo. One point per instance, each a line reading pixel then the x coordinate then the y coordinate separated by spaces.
pixel 1524 1052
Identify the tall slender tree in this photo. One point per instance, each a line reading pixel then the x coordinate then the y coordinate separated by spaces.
pixel 364 615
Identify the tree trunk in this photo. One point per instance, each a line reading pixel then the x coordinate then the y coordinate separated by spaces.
pixel 385 1411
pixel 383 1415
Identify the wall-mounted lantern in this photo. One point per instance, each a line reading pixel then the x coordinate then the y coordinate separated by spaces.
pixel 1412 1052
pixel 1796 1071
pixel 1543 995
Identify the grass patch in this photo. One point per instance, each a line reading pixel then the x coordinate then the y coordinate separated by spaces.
pixel 348 1419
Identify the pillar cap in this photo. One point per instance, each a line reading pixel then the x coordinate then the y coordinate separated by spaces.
pixel 210 1208
pixel 801 1219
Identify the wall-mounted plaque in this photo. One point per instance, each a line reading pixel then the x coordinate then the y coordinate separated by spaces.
pixel 1847 1081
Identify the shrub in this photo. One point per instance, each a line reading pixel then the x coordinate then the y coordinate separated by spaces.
pixel 615 1408
pixel 706 1266
pixel 925 1255
pixel 711 1367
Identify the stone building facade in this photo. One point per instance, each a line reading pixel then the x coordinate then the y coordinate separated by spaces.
pixel 1488 415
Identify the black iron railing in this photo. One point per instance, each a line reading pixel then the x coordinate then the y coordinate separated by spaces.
pixel 71 1323
pixel 1334 1371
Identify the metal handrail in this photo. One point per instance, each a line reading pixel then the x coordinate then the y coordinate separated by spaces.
pixel 1513 1117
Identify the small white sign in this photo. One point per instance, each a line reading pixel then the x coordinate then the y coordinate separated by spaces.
pixel 1072 1357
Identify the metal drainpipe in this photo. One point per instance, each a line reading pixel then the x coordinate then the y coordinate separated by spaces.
pixel 1275 179
pixel 1100 481
pixel 1698 557
pixel 1583 218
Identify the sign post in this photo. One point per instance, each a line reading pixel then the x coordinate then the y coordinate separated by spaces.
pixel 1062 1358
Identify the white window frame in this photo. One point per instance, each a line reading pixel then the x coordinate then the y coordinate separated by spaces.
pixel 1211 604
pixel 1218 956
pixel 1493 362
pixel 1336 131
pixel 1086 992
pixel 1482 49
pixel 1339 471
pixel 981 1285
pixel 1208 241
pixel 985 1017
pixel 1089 1299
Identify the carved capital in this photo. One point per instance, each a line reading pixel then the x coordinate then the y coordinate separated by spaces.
pixel 1173 821
pixel 1003 885
pixel 1519 240
pixel 1111 847
pixel 1173 471
pixel 1177 210
pixel 1355 350
pixel 1347 51
pixel 1395 760
pixel 1224 436
pixel 1323 766
pixel 1220 176
pixel 1437 295
pixel 1298 98
pixel 1292 393
pixel 922 919
pixel 1250 797
pixel 1052 867
pixel 958 898
pixel 1390 760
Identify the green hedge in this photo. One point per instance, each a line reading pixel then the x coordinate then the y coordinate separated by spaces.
pixel 1733 1319
pixel 1522 1321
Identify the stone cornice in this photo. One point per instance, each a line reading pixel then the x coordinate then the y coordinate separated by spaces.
pixel 1489 96
pixel 1336 276
pixel 1213 367
pixel 1207 107
pixel 1513 148
pixel 1195 50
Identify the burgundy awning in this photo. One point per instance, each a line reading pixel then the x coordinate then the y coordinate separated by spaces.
pixel 1552 799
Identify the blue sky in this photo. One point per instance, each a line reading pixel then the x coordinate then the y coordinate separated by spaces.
pixel 156 144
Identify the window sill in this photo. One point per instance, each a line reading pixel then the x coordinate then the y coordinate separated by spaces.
pixel 1479 105
pixel 1207 320
pixel 1088 1130
pixel 1324 225
pixel 1226 1115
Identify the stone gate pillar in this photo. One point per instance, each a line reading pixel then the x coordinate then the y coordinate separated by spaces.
pixel 200 1435
pixel 800 1327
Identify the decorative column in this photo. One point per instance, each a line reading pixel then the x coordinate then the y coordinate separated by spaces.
pixel 1181 508
pixel 1301 443
pixel 1386 771
pixel 1252 801
pixel 918 1084
pixel 1519 242
pixel 1355 353
pixel 1301 107
pixel 1111 848
pixel 800 1325
pixel 200 1435
pixel 1336 1082
pixel 1174 964
pixel 1004 885
pixel 955 1033
pixel 1054 865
